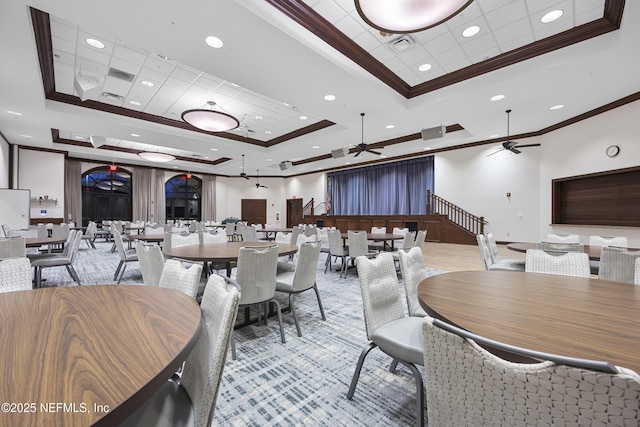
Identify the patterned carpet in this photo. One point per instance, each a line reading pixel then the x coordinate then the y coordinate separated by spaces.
pixel 303 382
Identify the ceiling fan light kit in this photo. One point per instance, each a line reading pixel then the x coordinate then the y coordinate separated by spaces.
pixel 210 119
pixel 408 16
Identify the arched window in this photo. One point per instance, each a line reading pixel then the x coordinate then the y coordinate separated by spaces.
pixel 183 197
pixel 106 194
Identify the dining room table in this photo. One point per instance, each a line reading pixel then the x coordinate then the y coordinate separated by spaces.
pixel 50 242
pixel 222 253
pixel 570 316
pixel 378 237
pixel 89 355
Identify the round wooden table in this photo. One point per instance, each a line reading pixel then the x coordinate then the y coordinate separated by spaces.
pixel 89 355
pixel 156 238
pixel 222 252
pixel 592 251
pixel 570 316
pixel 34 242
pixel 377 237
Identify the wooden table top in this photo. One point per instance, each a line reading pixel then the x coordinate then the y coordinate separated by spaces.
pixel 34 242
pixel 147 237
pixel 102 350
pixel 222 252
pixel 592 251
pixel 570 316
pixel 378 237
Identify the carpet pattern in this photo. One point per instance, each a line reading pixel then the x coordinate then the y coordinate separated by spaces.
pixel 303 382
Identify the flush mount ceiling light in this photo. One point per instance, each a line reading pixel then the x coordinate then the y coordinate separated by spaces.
pixel 408 16
pixel 209 119
pixel 154 156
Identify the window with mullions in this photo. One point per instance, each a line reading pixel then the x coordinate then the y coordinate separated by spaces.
pixel 183 197
pixel 106 194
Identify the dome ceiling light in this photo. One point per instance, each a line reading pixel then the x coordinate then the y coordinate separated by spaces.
pixel 210 119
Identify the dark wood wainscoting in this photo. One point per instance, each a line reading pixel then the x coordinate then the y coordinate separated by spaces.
pixel 439 228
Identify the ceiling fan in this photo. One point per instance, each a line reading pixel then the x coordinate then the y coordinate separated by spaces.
pixel 242 174
pixel 362 147
pixel 258 185
pixel 509 145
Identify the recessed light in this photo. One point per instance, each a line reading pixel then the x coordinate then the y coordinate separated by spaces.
pixel 497 97
pixel 175 167
pixel 286 105
pixel 135 135
pixel 214 42
pixel 135 103
pixel 14 113
pixel 268 132
pixel 347 163
pixel 471 31
pixel 390 126
pixel 303 117
pixel 557 107
pixel 258 117
pixel 269 160
pixel 424 67
pixel 146 83
pixel 427 148
pixel 494 136
pixel 95 43
pixel 551 16
pixel 214 149
pixel 26 136
pixel 329 97
pixel 316 146
pixel 78 137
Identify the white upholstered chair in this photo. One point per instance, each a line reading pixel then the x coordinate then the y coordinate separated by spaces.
pixel 468 386
pixel 377 246
pixel 386 325
pixel 618 241
pixel 176 276
pixel 302 278
pixel 562 238
pixel 12 247
pixel 357 243
pixel 487 259
pixel 636 277
pixel 15 275
pixel 151 262
pixel 336 250
pixel 64 259
pixel 421 236
pixel 413 272
pixel 560 247
pixel 190 399
pixel 618 264
pixel 126 256
pixel 561 263
pixel 516 264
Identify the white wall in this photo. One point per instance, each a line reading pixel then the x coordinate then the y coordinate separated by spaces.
pixel 43 174
pixel 230 191
pixel 307 187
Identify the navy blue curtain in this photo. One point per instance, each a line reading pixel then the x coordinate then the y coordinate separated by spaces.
pixel 398 188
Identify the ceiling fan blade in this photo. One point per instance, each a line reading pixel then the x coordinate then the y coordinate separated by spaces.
pixel 515 150
pixel 374 152
pixel 358 153
pixel 495 152
pixel 527 145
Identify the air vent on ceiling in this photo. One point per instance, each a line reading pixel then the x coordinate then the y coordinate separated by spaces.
pixel 112 97
pixel 122 75
pixel 401 44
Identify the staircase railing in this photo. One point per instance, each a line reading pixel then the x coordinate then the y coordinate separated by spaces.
pixel 308 209
pixel 437 205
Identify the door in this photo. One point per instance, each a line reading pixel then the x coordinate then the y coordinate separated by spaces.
pixel 294 212
pixel 254 211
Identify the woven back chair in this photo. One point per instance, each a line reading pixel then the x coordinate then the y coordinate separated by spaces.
pixel 562 238
pixel 191 399
pixel 151 262
pixel 413 272
pixel 618 264
pixel 560 247
pixel 125 256
pixel 15 275
pixel 514 264
pixel 64 259
pixel 421 236
pixel 468 386
pixel 336 250
pixel 12 247
pixel 561 263
pixel 386 325
pixel 176 276
pixel 358 246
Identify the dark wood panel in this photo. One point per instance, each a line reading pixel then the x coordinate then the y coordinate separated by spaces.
pixel 605 198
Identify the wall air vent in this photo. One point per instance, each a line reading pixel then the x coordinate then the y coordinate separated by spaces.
pixel 119 74
pixel 401 44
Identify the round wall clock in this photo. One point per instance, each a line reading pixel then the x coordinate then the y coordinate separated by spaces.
pixel 613 150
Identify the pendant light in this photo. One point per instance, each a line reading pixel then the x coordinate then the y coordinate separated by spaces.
pixel 210 119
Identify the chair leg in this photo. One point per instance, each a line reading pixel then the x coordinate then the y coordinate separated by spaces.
pixel 327 264
pixel 124 267
pixel 315 288
pixel 115 275
pixel 293 313
pixel 233 345
pixel 356 374
pixel 275 301
pixel 73 274
pixel 394 365
pixel 420 396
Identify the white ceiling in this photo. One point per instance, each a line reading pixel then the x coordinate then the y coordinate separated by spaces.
pixel 272 68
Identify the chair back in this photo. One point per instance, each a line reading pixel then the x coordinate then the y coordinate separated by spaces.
pixel 562 238
pixel 203 368
pixel 249 234
pixel 151 262
pixel 175 276
pixel 214 237
pixel 485 252
pixel 407 242
pixel 400 230
pixel 283 237
pixel 618 264
pixel 608 241
pixel 256 273
pixel 468 386
pixel 323 236
pixel 15 275
pixel 61 231
pixel 90 231
pixel 381 299
pixel 421 236
pixel 413 272
pixel 154 229
pixel 230 228
pixel 560 247
pixel 173 240
pixel 12 247
pixel 493 248
pixel 42 231
pixel 304 276
pixel 636 278
pixel 75 245
pixel 336 247
pixel 117 240
pixel 561 263
pixel 357 241
pixel 379 230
